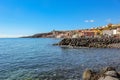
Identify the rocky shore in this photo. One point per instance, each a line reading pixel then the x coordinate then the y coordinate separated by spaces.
pixel 90 42
pixel 108 73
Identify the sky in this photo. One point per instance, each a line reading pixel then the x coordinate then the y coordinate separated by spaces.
pixel 28 17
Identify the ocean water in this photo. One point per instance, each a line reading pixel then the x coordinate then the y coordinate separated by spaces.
pixel 38 59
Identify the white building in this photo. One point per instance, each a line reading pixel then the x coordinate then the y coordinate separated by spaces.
pixel 110 32
pixel 118 31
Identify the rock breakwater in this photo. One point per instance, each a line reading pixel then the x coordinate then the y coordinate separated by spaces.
pixel 90 42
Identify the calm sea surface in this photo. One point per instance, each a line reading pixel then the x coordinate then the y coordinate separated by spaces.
pixel 38 59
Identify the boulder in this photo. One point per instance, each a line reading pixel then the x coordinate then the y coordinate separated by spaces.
pixel 111 73
pixel 108 78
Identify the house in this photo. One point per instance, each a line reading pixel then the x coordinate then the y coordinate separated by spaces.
pixel 87 33
pixel 109 32
pixel 118 31
pixel 112 32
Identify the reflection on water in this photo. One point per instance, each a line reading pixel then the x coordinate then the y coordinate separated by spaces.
pixel 34 59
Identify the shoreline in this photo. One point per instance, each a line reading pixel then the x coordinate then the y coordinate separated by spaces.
pixel 111 46
pixel 72 47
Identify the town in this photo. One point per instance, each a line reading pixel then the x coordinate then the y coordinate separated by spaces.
pixel 110 30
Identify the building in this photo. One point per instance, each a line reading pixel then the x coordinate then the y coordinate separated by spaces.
pixel 109 32
pixel 87 33
pixel 118 31
pixel 112 32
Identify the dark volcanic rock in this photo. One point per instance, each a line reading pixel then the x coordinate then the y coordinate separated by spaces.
pixel 88 42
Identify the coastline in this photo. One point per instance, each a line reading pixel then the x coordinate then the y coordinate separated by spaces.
pixel 114 45
pixel 75 47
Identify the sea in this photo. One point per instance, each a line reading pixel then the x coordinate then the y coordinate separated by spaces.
pixel 38 59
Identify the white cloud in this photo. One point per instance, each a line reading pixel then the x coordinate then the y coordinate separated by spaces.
pixel 91 21
pixel 86 20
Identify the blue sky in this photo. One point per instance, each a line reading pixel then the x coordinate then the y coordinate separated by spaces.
pixel 27 17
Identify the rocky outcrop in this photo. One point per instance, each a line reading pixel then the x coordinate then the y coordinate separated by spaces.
pixel 108 73
pixel 89 42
